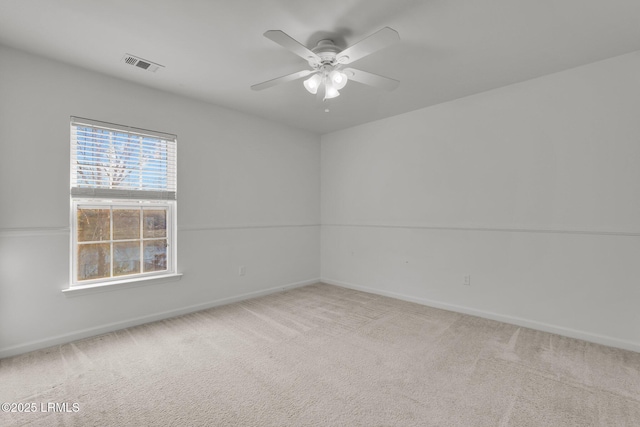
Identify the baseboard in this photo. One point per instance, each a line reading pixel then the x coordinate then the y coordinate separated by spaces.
pixel 531 324
pixel 98 330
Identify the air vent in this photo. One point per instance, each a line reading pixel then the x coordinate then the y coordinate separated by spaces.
pixel 141 63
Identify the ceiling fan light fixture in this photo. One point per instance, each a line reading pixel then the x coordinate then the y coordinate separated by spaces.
pixel 312 83
pixel 326 61
pixel 338 79
pixel 330 91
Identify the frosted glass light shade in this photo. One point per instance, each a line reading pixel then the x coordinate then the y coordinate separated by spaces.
pixel 338 79
pixel 330 91
pixel 312 83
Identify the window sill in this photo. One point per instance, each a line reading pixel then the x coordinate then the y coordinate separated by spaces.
pixel 120 284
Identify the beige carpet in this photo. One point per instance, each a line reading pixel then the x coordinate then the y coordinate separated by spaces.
pixel 326 356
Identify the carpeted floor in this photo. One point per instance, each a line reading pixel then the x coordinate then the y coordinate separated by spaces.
pixel 325 356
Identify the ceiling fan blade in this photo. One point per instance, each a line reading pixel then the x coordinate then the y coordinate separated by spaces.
pixel 286 41
pixel 283 79
pixel 371 79
pixel 374 42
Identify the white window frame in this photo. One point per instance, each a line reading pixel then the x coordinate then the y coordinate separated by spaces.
pixel 123 204
pixel 132 198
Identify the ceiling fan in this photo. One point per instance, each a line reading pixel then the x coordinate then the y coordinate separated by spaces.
pixel 327 62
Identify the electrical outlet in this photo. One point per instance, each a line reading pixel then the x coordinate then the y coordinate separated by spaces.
pixel 242 270
pixel 467 280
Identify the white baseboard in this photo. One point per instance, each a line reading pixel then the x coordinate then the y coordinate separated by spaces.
pixel 531 324
pixel 110 327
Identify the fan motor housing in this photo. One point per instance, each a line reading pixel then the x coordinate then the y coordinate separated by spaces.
pixel 327 52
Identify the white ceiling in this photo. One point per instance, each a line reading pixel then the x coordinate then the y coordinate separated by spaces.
pixel 214 50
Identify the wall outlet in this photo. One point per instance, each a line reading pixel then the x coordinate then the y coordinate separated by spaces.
pixel 467 281
pixel 242 270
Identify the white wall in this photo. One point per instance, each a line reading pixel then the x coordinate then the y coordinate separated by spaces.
pixel 532 189
pixel 248 193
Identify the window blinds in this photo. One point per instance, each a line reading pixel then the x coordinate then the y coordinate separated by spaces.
pixel 114 161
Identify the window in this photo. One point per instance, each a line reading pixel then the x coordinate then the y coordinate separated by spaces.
pixel 123 203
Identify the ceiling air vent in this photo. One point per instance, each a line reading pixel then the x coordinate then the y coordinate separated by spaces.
pixel 141 63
